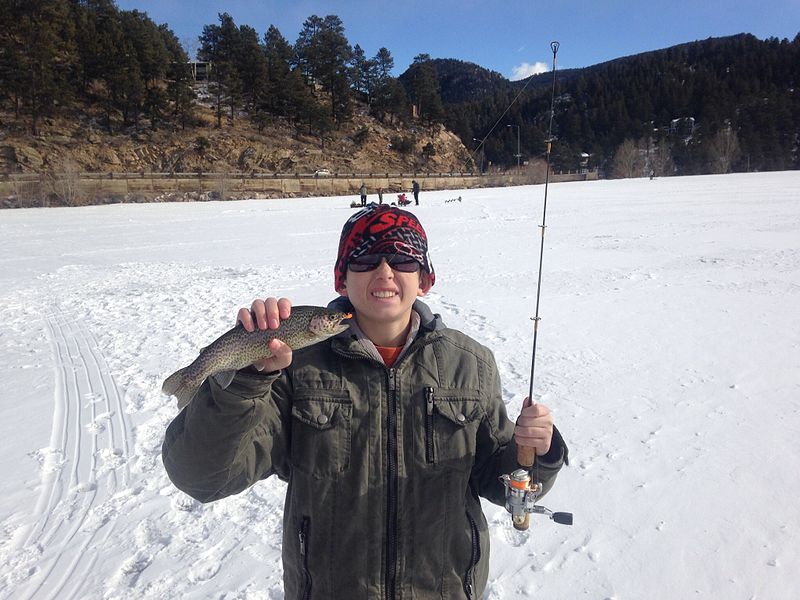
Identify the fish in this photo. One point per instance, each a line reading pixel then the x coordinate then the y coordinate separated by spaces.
pixel 239 348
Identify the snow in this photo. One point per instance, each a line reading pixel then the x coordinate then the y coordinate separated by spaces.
pixel 668 352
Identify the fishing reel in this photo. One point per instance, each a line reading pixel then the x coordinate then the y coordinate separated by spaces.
pixel 521 495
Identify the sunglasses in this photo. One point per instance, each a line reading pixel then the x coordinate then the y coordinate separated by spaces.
pixel 370 262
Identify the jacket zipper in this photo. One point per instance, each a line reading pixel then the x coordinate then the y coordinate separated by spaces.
pixel 429 450
pixel 304 557
pixel 391 472
pixel 469 586
pixel 391 488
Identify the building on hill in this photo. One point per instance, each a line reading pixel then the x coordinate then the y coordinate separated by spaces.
pixel 200 70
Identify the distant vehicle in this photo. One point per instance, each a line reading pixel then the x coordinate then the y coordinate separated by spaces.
pixel 322 173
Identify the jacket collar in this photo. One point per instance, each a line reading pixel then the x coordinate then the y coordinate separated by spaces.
pixel 428 321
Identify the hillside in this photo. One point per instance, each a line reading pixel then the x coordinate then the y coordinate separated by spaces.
pixel 77 142
pixel 90 87
pixel 674 101
pixel 460 81
pixel 86 87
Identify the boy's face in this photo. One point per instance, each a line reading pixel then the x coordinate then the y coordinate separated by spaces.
pixel 384 296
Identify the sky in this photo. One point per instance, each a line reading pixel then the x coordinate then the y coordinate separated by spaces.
pixel 511 37
pixel 667 352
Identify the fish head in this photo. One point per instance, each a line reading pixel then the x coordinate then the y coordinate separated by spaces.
pixel 329 324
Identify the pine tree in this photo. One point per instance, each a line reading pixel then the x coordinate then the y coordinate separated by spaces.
pixel 178 75
pixel 384 63
pixel 149 66
pixel 425 90
pixel 38 54
pixel 10 61
pixel 363 74
pixel 251 64
pixel 323 52
pixel 107 56
pixel 278 55
pixel 286 94
pixel 219 45
pixel 390 100
pixel 388 96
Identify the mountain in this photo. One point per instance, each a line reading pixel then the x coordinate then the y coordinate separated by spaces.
pixel 460 81
pixel 674 100
pixel 87 86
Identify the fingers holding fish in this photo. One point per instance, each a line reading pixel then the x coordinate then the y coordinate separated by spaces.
pixel 280 359
pixel 265 314
pixel 245 317
pixel 246 345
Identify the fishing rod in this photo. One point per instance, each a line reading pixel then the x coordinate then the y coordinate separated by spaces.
pixel 554 46
pixel 522 490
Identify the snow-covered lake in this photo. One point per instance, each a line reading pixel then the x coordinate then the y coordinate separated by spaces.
pixel 669 351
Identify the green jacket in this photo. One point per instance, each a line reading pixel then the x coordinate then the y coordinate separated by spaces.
pixel 385 466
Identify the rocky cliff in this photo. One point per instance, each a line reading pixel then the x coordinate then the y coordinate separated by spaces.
pixel 363 145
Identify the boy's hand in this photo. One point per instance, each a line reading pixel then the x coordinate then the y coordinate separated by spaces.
pixel 268 314
pixel 534 427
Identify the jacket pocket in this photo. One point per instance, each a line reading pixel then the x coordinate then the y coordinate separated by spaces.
pixel 451 422
pixel 321 431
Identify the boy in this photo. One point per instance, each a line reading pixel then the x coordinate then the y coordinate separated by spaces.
pixel 387 433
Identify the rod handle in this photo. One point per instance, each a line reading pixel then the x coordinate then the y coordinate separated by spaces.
pixel 526 456
pixel 521 523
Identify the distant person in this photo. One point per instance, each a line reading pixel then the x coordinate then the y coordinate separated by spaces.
pixel 363 194
pixel 380 195
pixel 415 190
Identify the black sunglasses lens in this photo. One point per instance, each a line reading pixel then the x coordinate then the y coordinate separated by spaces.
pixel 364 263
pixel 404 264
pixel 398 262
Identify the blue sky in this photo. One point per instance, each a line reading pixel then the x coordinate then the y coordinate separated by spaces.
pixel 510 37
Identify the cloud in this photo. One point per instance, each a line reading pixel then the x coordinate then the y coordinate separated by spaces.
pixel 526 70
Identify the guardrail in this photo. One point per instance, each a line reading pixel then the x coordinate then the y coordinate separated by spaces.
pixel 232 175
pixel 69 188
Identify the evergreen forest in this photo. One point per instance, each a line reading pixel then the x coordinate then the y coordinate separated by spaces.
pixel 717 105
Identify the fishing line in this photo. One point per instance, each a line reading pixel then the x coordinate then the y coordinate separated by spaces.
pixel 505 112
pixel 554 47
pixel 523 487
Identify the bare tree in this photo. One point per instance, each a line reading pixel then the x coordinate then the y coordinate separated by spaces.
pixel 724 150
pixel 222 181
pixel 64 182
pixel 661 161
pixel 535 170
pixel 628 161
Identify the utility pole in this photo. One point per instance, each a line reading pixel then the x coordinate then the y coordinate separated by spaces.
pixel 518 155
pixel 480 147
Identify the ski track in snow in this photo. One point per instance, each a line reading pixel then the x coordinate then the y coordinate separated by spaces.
pixel 83 467
pixel 666 323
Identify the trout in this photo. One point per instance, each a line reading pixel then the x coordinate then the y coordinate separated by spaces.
pixel 239 348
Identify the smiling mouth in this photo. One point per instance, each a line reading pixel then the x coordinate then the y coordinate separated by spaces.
pixel 384 294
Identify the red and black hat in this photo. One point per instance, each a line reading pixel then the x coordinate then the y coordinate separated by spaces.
pixel 381 229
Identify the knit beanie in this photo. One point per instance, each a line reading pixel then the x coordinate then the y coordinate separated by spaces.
pixel 381 229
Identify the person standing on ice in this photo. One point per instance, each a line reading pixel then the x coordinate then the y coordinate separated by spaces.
pixel 415 190
pixel 363 191
pixel 388 434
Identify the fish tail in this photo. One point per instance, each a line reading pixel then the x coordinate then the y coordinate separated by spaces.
pixel 180 385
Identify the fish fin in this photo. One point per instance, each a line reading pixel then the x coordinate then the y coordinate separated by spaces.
pixel 180 385
pixel 225 378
